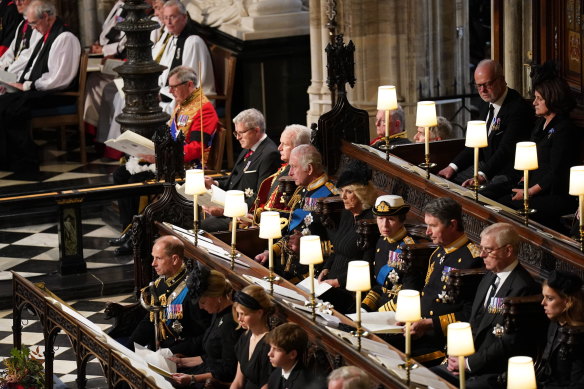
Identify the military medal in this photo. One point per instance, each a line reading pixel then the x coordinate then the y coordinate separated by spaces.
pixel 495 305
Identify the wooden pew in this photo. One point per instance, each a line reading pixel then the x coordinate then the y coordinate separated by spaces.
pixel 442 152
pixel 339 351
pixel 542 249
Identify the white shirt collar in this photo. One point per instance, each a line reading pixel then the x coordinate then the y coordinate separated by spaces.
pixel 505 273
pixel 286 374
pixel 254 147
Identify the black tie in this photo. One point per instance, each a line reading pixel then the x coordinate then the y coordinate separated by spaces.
pixel 494 285
pixel 283 383
pixel 490 116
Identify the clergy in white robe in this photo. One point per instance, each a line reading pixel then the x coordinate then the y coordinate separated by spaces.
pixel 53 66
pixel 178 46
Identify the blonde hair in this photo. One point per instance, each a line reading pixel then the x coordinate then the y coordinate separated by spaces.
pixel 258 294
pixel 217 285
pixel 367 194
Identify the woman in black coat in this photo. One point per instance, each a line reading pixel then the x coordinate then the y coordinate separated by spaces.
pixel 358 195
pixel 557 141
pixel 563 302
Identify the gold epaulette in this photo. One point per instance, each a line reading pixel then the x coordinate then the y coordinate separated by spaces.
pixel 330 186
pixel 474 249
pixel 445 320
pixel 409 240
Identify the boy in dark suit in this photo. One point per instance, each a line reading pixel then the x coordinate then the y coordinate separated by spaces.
pixel 288 344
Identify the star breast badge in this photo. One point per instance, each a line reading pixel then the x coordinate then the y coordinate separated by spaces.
pixel 248 192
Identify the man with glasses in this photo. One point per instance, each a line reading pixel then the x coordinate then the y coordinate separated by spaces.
pixel 443 217
pixel 258 160
pixel 505 277
pixel 509 120
pixel 16 57
pixel 53 66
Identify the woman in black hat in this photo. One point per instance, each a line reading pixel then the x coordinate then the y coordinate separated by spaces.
pixel 358 195
pixel 563 303
pixel 213 354
pixel 389 271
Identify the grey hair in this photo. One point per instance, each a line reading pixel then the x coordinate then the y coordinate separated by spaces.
pixel 251 118
pixel 494 66
pixel 445 209
pixel 184 74
pixel 176 3
pixel 504 234
pixel 352 376
pixel 41 7
pixel 399 114
pixel 443 130
pixel 300 134
pixel 308 155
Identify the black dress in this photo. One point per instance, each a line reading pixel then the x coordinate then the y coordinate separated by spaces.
pixel 344 242
pixel 217 348
pixel 557 151
pixel 560 371
pixel 256 370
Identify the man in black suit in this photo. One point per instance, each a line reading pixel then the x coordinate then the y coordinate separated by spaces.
pixel 509 120
pixel 505 278
pixel 258 159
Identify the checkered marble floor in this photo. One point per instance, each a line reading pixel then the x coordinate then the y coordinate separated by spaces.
pixel 65 367
pixel 34 250
pixel 60 168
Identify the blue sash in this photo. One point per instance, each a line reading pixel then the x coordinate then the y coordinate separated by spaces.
pixel 299 213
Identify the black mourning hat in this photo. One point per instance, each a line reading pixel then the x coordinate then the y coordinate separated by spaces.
pixel 356 172
pixel 565 282
pixel 197 281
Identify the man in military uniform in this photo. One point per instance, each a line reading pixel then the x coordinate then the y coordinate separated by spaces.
pixel 397 133
pixel 313 183
pixel 390 276
pixel 269 196
pixel 169 291
pixel 443 217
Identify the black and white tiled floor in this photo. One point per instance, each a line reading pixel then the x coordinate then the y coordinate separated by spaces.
pixel 29 246
pixel 65 367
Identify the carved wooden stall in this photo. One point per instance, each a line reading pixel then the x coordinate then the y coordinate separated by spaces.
pixel 338 351
pixel 54 317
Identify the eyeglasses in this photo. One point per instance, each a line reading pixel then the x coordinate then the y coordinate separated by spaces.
pixel 238 134
pixel 177 85
pixel 489 250
pixel 486 85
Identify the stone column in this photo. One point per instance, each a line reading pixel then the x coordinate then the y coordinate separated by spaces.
pixel 512 62
pixel 403 43
pixel 88 29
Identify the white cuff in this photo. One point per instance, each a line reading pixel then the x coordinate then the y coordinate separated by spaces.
pixel 26 86
pixel 453 166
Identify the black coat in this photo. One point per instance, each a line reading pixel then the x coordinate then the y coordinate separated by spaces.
pixel 248 173
pixel 492 352
pixel 561 372
pixel 300 378
pixel 513 123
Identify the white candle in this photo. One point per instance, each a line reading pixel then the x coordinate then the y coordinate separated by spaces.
pixel 581 210
pixel 233 229
pixel 358 305
pixel 525 184
pixel 311 275
pixel 408 339
pixel 387 123
pixel 427 140
pixel 476 162
pixel 271 253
